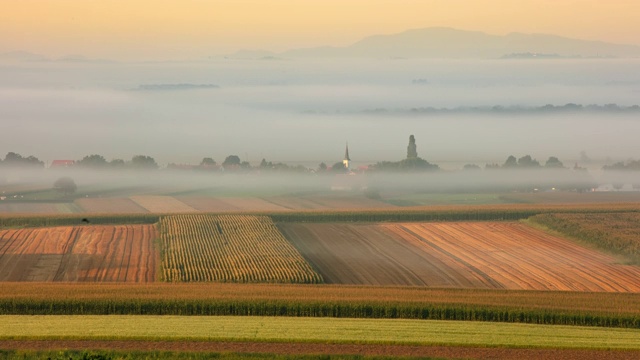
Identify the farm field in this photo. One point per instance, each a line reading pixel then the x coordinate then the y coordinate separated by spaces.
pixel 78 253
pixel 162 204
pixel 237 248
pixel 231 204
pixel 38 208
pixel 229 350
pixel 541 307
pixel 462 255
pixel 617 232
pixel 328 202
pixel 560 197
pixel 109 205
pixel 323 330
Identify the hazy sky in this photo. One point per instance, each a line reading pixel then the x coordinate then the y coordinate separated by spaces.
pixel 171 29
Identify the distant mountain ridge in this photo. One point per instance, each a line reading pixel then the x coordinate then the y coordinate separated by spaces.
pixel 442 42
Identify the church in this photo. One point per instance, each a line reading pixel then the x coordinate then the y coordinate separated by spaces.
pixel 347 160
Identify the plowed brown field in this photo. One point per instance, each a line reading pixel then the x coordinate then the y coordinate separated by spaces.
pixel 462 255
pixel 78 253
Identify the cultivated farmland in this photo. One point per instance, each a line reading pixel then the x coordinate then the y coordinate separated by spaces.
pixel 162 204
pixel 37 208
pixel 109 205
pixel 315 330
pixel 233 248
pixel 78 253
pixel 618 232
pixel 462 255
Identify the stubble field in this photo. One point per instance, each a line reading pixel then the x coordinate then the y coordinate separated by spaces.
pixel 123 253
pixel 461 255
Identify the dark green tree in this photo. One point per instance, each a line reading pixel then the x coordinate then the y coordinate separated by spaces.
pixel 231 160
pixel 207 162
pixel 511 162
pixel 92 161
pixel 527 162
pixel 65 185
pixel 15 159
pixel 553 163
pixel 117 164
pixel 143 162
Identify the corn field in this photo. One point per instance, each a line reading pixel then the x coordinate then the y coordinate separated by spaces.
pixel 229 248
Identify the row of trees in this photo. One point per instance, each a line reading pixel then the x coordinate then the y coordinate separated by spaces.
pixel 99 162
pixel 525 162
pixel 631 165
pixel 16 160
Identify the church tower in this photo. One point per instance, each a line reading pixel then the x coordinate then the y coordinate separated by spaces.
pixel 346 158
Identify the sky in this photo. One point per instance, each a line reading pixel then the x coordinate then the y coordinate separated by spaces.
pixel 188 29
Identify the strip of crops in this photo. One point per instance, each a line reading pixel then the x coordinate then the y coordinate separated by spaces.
pixel 507 212
pixel 229 248
pixel 427 213
pixel 617 232
pixel 76 219
pixel 314 330
pixel 566 308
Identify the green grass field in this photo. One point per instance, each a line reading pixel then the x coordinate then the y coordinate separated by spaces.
pixel 322 330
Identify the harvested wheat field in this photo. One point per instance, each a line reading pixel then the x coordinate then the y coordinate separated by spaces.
pixel 122 253
pixel 162 204
pixel 462 255
pixel 110 205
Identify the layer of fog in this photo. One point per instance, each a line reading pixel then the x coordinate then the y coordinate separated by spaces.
pixel 117 183
pixel 261 110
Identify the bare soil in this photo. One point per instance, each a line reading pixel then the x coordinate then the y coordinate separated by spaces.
pixel 327 349
pixel 461 255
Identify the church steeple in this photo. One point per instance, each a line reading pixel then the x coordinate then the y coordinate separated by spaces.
pixel 346 158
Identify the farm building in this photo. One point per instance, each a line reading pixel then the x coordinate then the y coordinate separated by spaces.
pixel 62 163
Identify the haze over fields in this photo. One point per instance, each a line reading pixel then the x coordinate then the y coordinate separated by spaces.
pixel 274 88
pixel 294 110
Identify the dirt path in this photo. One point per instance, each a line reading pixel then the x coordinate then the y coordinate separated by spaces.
pixel 301 348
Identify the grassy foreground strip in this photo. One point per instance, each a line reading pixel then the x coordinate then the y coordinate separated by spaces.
pixel 538 307
pixel 324 330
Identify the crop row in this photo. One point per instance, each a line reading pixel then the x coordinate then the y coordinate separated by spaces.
pixel 431 213
pixel 233 248
pixel 449 213
pixel 541 307
pixel 76 219
pixel 305 309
